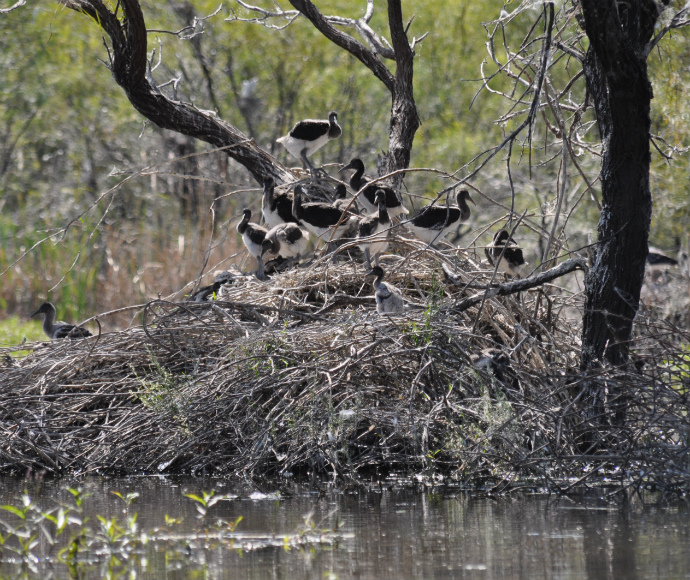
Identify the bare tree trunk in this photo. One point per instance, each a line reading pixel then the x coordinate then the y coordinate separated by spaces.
pixel 615 69
pixel 404 118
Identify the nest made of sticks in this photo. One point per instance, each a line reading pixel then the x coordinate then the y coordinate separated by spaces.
pixel 300 375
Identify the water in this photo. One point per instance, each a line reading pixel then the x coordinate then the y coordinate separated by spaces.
pixel 384 534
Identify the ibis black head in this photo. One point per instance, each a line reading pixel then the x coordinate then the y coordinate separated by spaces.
pixel 464 195
pixel 356 164
pixel 267 246
pixel 332 117
pixel 340 191
pixel 45 308
pixel 376 272
pixel 269 183
pixel 380 197
pixel 246 214
pixel 501 237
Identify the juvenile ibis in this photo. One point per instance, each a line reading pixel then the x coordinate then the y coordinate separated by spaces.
pixel 319 218
pixel 308 136
pixel 368 196
pixel 253 236
pixel 287 241
pixel 433 223
pixel 372 233
pixel 276 208
pixel 54 329
pixel 388 298
pixel 512 260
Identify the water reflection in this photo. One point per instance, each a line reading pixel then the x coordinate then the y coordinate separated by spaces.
pixel 393 534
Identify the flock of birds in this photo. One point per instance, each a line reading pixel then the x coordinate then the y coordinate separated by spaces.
pixel 290 220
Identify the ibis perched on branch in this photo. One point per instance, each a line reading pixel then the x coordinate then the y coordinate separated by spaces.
pixel 308 136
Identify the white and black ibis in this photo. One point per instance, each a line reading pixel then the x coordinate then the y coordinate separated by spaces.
pixel 202 294
pixel 368 196
pixel 56 330
pixel 433 223
pixel 388 298
pixel 276 208
pixel 320 218
pixel 308 136
pixel 372 231
pixel 286 241
pixel 253 236
pixel 502 244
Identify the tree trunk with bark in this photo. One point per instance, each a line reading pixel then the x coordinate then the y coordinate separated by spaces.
pixel 616 71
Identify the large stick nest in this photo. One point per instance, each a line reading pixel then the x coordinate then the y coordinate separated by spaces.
pixel 301 375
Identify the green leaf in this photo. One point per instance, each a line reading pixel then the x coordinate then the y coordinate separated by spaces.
pixel 14 510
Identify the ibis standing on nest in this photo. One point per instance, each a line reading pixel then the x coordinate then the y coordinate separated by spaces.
pixel 54 329
pixel 372 233
pixel 368 196
pixel 286 240
pixel 505 251
pixel 432 223
pixel 308 136
pixel 320 218
pixel 253 236
pixel 276 209
pixel 388 298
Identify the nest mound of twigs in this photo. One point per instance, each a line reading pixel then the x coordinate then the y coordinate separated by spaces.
pixel 300 375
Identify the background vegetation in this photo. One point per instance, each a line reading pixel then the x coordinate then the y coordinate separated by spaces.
pixel 124 206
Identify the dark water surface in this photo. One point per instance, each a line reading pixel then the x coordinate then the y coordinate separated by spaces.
pixel 386 534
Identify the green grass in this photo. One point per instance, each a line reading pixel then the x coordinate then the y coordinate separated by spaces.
pixel 13 330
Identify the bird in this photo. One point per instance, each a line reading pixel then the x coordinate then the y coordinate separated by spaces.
pixel 657 258
pixel 276 209
pixel 388 298
pixel 319 218
pixel 285 240
pixel 368 196
pixel 308 136
pixel 512 260
pixel 253 236
pixel 341 201
pixel 56 330
pixel 433 223
pixel 202 294
pixel 372 232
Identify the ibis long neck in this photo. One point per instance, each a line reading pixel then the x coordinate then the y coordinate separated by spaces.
pixel 377 281
pixel 297 204
pixel 49 321
pixel 242 226
pixel 383 213
pixel 357 182
pixel 268 193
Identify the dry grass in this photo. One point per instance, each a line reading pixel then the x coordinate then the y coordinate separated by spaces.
pixel 300 375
